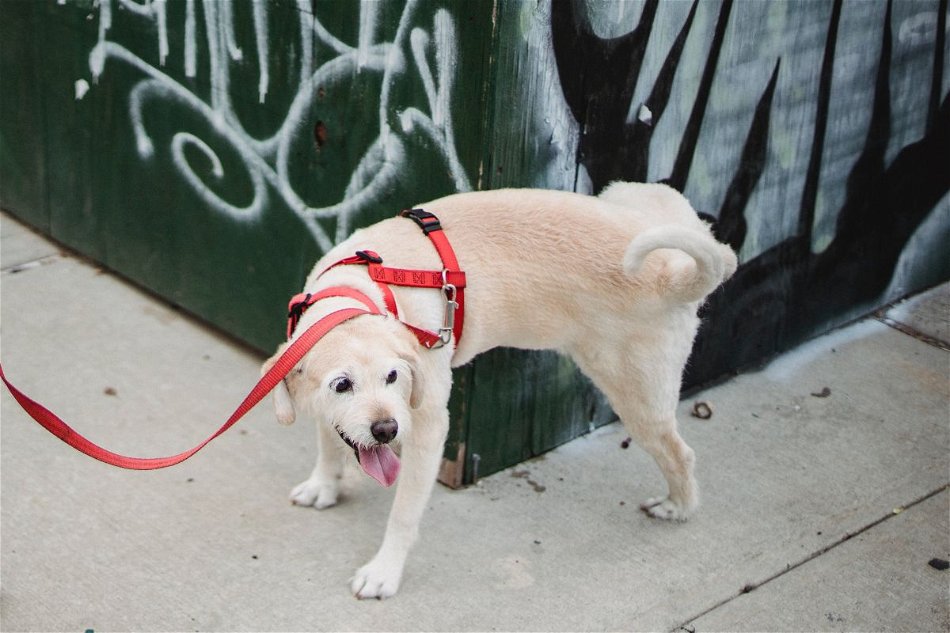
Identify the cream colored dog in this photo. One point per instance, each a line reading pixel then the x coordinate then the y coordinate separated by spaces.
pixel 612 281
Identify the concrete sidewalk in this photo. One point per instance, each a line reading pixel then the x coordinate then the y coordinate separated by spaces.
pixel 824 479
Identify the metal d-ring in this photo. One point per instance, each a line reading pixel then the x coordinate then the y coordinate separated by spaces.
pixel 450 292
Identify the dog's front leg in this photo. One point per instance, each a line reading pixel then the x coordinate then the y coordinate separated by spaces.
pixel 421 455
pixel 322 488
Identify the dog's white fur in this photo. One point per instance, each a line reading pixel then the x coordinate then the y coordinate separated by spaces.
pixel 612 281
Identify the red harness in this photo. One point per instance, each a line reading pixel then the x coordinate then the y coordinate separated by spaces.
pixel 450 280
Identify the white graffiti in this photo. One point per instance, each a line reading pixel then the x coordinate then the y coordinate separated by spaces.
pixel 267 160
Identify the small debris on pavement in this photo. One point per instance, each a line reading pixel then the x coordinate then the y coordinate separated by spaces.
pixel 824 393
pixel 626 443
pixel 939 564
pixel 702 410
pixel 110 391
pixel 524 474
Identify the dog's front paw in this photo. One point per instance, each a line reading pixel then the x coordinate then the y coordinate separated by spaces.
pixel 317 493
pixel 666 508
pixel 376 579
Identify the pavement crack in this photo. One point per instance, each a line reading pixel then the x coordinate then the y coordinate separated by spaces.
pixel 29 265
pixel 687 625
pixel 903 328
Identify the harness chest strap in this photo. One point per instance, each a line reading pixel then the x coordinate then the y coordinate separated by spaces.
pixel 450 280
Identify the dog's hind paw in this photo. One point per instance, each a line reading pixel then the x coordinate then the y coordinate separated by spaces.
pixel 315 493
pixel 376 580
pixel 665 508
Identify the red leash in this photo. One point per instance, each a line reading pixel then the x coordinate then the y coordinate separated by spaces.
pixel 284 364
pixel 451 281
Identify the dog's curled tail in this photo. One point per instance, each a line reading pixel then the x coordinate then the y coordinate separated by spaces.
pixel 715 262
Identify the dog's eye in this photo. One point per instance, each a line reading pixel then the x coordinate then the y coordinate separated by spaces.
pixel 342 385
pixel 391 377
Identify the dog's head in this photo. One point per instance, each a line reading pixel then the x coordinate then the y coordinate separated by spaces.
pixel 361 379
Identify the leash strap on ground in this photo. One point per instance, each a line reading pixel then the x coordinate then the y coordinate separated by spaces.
pixel 291 356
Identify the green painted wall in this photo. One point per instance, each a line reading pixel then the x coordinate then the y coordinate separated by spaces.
pixel 211 150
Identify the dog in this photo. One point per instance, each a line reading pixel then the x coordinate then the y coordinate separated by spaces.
pixel 612 281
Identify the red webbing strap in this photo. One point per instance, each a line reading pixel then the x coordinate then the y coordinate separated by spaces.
pixel 426 338
pixel 390 300
pixel 300 302
pixel 416 278
pixel 451 264
pixel 284 364
pixel 384 276
pixel 369 258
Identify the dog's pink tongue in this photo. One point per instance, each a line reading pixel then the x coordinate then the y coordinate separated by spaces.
pixel 380 463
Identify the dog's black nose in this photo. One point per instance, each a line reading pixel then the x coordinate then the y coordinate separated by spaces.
pixel 384 430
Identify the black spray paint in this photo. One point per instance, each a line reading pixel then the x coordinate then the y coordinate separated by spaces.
pixel 788 292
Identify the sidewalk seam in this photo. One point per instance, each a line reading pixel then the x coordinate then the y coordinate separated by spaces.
pixel 33 263
pixel 752 586
pixel 911 331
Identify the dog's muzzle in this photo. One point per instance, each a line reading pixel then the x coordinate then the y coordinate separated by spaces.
pixel 379 462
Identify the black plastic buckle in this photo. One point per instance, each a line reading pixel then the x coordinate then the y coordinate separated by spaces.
pixel 426 221
pixel 369 256
pixel 296 313
pixel 298 308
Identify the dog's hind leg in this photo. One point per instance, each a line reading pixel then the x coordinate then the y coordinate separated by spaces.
pixel 676 460
pixel 421 455
pixel 646 404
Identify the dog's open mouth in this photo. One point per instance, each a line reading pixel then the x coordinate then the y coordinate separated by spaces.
pixel 379 461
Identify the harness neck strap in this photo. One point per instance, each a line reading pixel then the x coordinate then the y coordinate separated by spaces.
pixel 300 302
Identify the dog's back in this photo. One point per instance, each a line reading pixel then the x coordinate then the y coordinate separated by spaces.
pixel 539 259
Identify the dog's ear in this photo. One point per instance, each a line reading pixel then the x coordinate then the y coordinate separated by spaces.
pixel 415 396
pixel 283 403
pixel 412 359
